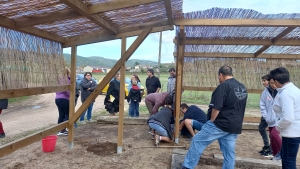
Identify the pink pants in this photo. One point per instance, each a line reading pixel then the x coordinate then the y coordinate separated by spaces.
pixel 275 140
pixel 1 127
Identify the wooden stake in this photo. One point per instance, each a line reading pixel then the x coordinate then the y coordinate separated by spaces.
pixel 72 95
pixel 122 98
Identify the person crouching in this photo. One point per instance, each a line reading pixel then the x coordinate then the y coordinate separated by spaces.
pixel 161 122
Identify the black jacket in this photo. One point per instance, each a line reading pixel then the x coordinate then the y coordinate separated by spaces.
pixel 152 83
pixel 114 90
pixel 3 103
pixel 134 95
pixel 164 116
pixel 84 85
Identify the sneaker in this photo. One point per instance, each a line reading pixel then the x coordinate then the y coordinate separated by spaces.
pixel 153 137
pixel 265 148
pixel 157 140
pixel 267 154
pixel 63 132
pixel 82 122
pixel 90 121
pixel 277 157
pixel 150 131
pixel 2 135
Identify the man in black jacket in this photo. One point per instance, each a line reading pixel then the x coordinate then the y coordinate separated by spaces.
pixel 152 82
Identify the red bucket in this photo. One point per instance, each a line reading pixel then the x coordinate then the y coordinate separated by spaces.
pixel 49 143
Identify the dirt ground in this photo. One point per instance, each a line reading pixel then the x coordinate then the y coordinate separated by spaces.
pixel 95 144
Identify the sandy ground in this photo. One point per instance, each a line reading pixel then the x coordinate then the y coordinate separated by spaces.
pixel 40 111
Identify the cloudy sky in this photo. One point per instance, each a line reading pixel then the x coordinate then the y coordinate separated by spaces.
pixel 149 48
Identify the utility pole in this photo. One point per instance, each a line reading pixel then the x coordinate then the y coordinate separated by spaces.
pixel 159 53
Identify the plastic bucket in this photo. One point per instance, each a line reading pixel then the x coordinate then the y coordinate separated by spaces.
pixel 49 143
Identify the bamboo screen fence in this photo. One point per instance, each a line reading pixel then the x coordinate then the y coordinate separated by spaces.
pixel 29 61
pixel 204 71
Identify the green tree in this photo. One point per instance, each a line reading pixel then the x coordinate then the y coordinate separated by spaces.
pixel 136 63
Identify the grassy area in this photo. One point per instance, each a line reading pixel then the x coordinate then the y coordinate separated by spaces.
pixel 17 99
pixel 191 97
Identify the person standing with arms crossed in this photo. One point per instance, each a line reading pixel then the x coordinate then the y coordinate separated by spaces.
pixel 226 113
pixel 152 82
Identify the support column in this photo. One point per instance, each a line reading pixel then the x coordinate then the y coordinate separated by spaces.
pixel 72 96
pixel 122 98
pixel 178 88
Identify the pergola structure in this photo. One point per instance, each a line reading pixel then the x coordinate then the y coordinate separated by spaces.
pixel 250 42
pixel 76 22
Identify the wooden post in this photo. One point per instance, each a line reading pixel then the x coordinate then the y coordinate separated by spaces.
pixel 159 54
pixel 72 96
pixel 178 89
pixel 122 98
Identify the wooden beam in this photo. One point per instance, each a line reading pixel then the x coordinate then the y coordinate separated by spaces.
pixel 23 142
pixel 121 103
pixel 239 55
pixel 11 93
pixel 117 4
pixel 10 24
pixel 274 40
pixel 239 22
pixel 251 119
pixel 46 18
pixel 200 41
pixel 168 7
pixel 110 74
pixel 103 36
pixel 179 74
pixel 193 88
pixel 81 8
pixel 72 96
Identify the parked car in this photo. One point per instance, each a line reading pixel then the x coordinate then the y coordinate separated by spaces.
pixel 79 77
pixel 127 82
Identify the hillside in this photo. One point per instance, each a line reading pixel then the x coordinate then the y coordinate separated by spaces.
pixel 104 62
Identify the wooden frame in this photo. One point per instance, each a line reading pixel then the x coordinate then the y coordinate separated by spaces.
pixel 239 22
pixel 11 93
pixel 193 88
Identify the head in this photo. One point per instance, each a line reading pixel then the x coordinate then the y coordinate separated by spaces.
pixel 184 107
pixel 280 75
pixel 168 100
pixel 272 84
pixel 88 75
pixel 150 72
pixel 134 83
pixel 67 72
pixel 172 71
pixel 265 80
pixel 135 77
pixel 225 72
pixel 118 76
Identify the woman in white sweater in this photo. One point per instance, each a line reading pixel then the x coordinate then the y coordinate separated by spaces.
pixel 287 109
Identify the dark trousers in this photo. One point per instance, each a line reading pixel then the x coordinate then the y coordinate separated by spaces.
pixel 289 151
pixel 134 109
pixel 1 127
pixel 262 130
pixel 63 109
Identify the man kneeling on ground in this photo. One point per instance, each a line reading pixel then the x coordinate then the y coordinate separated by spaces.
pixel 194 118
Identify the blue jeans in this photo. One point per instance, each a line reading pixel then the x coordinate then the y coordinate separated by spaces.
pixel 206 136
pixel 134 109
pixel 197 125
pixel 289 151
pixel 158 129
pixel 89 113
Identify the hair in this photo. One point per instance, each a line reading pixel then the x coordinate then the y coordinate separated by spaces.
pixel 88 73
pixel 172 69
pixel 151 71
pixel 225 70
pixel 168 100
pixel 266 77
pixel 280 74
pixel 184 106
pixel 136 77
pixel 67 71
pixel 134 83
pixel 117 74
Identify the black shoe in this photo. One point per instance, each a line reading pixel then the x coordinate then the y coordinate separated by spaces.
pixel 2 135
pixel 267 154
pixel 265 148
